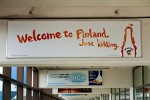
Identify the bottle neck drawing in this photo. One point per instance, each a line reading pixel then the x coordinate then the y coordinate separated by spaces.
pixel 129 48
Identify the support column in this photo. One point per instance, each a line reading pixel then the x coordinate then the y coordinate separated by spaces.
pixel 20 79
pixel 7 84
pixel 29 82
pixel 110 97
pixel 131 93
pixel 35 83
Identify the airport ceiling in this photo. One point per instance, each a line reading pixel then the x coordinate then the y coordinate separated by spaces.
pixel 84 68
pixel 72 3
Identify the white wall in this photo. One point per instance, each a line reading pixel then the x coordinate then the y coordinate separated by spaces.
pixel 112 78
pixel 76 8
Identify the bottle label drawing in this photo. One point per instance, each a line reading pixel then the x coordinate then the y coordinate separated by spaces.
pixel 129 48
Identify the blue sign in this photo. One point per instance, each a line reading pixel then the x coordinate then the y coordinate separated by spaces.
pixel 78 77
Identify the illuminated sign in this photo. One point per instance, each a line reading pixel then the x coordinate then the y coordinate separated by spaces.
pixel 74 90
pixel 77 77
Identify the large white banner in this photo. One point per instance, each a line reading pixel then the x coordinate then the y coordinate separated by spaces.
pixel 73 39
pixel 77 77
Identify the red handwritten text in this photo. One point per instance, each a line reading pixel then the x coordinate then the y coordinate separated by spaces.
pixel 38 37
pixel 107 44
pixel 86 43
pixel 90 34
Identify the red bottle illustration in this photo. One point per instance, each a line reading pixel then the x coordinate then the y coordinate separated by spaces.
pixel 129 48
